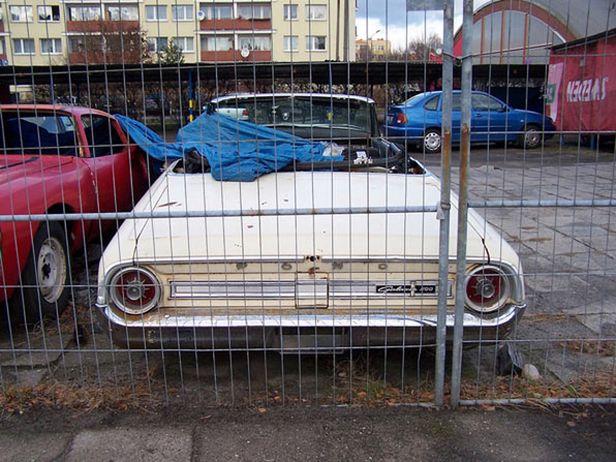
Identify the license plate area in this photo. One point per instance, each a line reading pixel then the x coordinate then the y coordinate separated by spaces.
pixel 311 291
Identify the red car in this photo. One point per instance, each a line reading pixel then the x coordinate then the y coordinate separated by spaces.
pixel 58 159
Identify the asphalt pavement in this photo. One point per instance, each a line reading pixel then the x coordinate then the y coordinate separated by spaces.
pixel 312 433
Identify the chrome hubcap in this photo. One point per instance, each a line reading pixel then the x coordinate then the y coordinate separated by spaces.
pixel 432 141
pixel 532 137
pixel 51 269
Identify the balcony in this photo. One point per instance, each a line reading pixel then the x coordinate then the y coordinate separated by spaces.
pixel 101 26
pixel 83 58
pixel 235 56
pixel 108 57
pixel 236 24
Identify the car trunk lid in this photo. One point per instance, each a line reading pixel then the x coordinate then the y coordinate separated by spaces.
pixel 283 233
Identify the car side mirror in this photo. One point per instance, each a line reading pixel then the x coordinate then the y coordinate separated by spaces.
pixel 504 108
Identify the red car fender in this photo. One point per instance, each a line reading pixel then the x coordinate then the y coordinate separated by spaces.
pixel 64 187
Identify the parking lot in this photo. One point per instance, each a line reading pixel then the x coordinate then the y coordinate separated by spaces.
pixel 567 332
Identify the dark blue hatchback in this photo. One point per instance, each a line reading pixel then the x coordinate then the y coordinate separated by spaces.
pixel 418 120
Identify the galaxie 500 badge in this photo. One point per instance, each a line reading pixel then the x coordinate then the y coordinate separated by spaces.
pixel 412 288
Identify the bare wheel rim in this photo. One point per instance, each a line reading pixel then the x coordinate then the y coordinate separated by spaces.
pixel 532 137
pixel 432 141
pixel 51 269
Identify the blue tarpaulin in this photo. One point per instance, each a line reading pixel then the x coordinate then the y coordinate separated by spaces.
pixel 236 150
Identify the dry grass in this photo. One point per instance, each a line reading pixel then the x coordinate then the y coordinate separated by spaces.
pixel 65 324
pixel 356 389
pixel 591 347
pixel 601 384
pixel 121 398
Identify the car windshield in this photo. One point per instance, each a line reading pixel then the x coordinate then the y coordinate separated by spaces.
pixel 39 132
pixel 302 111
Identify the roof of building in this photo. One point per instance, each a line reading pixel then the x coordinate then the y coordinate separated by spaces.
pixel 582 17
pixel 579 18
pixel 586 40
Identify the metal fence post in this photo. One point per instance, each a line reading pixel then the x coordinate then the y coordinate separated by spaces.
pixel 465 127
pixel 445 205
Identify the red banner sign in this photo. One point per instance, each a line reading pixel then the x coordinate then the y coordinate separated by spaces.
pixel 581 89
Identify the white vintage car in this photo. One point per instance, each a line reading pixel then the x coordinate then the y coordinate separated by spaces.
pixel 265 276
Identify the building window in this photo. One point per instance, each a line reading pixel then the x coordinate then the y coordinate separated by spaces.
pixel 23 46
pixel 290 12
pixel 254 11
pixel 290 43
pixel 316 12
pixel 217 12
pixel 2 50
pixel 315 43
pixel 51 46
pixel 84 13
pixel 186 44
pixel 76 44
pixel 156 12
pixel 217 43
pixel 85 43
pixel 256 43
pixel 49 13
pixel 122 13
pixel 21 13
pixel 157 44
pixel 182 12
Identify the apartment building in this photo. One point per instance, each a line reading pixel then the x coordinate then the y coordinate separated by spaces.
pixel 48 32
pixel 372 48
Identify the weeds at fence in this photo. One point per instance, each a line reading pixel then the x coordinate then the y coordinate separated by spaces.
pixel 17 400
pixel 599 385
pixel 358 388
pixel 606 348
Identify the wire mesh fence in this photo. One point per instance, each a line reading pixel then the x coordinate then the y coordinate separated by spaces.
pixel 260 203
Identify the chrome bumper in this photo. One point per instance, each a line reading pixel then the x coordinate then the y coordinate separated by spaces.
pixel 299 331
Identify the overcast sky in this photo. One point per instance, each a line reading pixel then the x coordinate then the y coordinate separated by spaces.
pixel 399 27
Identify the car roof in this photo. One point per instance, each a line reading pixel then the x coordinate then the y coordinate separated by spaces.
pixel 364 99
pixel 438 92
pixel 74 110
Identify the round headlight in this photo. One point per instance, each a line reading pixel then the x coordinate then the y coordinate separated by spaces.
pixel 134 290
pixel 487 289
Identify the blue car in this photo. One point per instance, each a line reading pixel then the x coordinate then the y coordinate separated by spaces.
pixel 419 120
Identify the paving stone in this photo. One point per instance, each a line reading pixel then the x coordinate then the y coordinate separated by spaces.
pixel 39 447
pixel 40 352
pixel 29 377
pixel 569 366
pixel 600 317
pixel 135 445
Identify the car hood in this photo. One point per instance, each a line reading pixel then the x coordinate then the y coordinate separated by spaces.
pixel 20 167
pixel 375 235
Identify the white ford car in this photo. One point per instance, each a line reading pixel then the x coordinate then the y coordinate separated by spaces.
pixel 286 262
pixel 270 278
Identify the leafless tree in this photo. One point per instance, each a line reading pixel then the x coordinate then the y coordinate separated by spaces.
pixel 111 42
pixel 420 49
